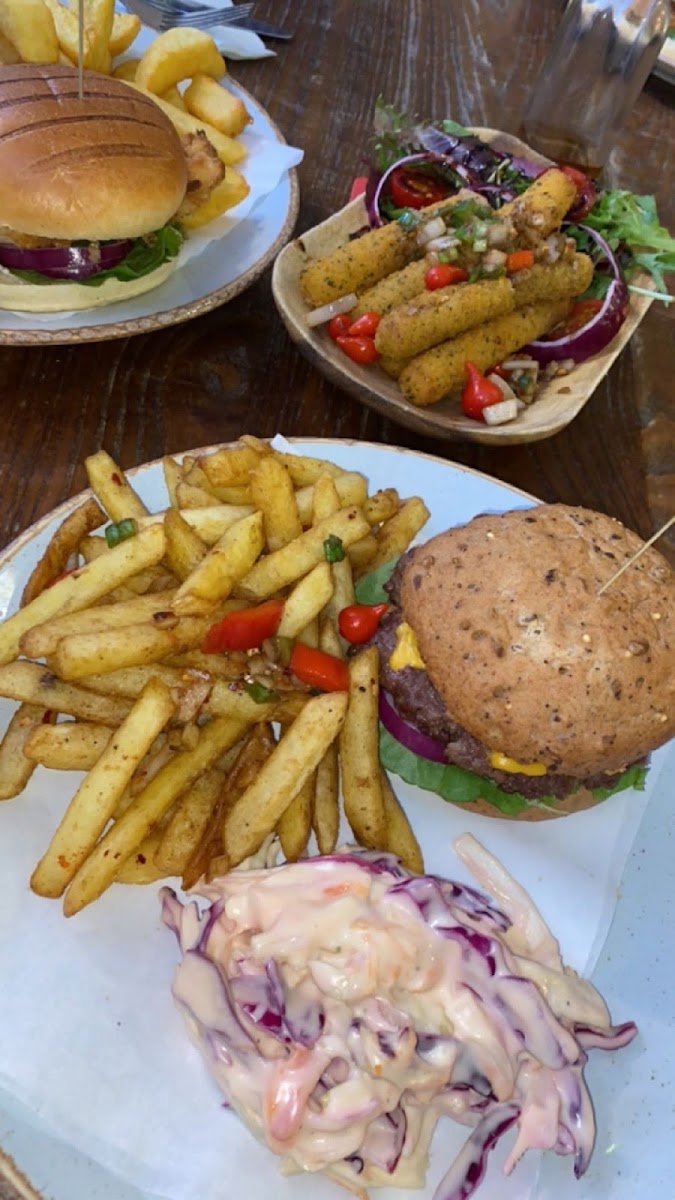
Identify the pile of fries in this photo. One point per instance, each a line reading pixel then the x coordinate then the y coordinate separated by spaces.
pixel 47 31
pixel 194 759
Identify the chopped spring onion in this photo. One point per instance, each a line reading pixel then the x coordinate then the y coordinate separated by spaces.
pixel 115 534
pixel 319 316
pixel 259 693
pixel 333 549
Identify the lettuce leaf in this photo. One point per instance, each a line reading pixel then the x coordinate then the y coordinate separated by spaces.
pixel 370 589
pixel 632 222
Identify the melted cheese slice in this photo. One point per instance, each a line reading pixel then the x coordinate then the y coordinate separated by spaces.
pixel 501 762
pixel 406 653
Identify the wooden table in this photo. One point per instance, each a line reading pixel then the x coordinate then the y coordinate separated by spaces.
pixel 235 370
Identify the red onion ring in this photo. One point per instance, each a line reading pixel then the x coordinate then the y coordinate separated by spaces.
pixel 600 330
pixel 374 215
pixel 407 734
pixel 64 262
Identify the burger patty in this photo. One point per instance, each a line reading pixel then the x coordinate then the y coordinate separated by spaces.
pixel 418 702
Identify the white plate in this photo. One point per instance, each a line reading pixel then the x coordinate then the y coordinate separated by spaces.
pixel 665 63
pixel 119 946
pixel 206 281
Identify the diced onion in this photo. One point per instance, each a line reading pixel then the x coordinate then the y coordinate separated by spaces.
pixel 499 414
pixel 521 364
pixel 504 387
pixel 431 230
pixel 319 316
pixel 442 243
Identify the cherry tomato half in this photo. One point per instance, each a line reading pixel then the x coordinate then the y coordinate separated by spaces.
pixel 359 349
pixel 338 326
pixel 365 325
pixel 415 189
pixel 582 312
pixel 586 193
pixel 443 275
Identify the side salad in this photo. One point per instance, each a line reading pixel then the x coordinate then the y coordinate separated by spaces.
pixel 415 163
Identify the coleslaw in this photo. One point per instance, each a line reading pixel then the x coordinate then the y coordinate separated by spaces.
pixel 344 1006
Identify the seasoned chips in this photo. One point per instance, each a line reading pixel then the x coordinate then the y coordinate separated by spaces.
pixel 195 759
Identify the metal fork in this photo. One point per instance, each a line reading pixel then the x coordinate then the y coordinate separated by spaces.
pixel 162 16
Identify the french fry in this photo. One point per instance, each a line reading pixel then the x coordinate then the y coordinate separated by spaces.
pixel 273 494
pixel 231 190
pixel 9 55
pixel 173 473
pixel 188 823
pixel 125 29
pixel 343 588
pixel 230 467
pixel 362 553
pixel 225 565
pixel 230 152
pixel 112 488
pixel 29 26
pixel 326 809
pixel 126 70
pixel 398 532
pixel 125 836
pixel 225 701
pixel 209 522
pixel 360 755
pixel 42 640
pixel 62 545
pixel 209 857
pixel 130 681
pixel 306 600
pixel 95 800
pixel 176 55
pixel 258 810
pixel 68 746
pixel 400 838
pixel 141 867
pixel 304 471
pixel 184 547
pixel 16 767
pixel 295 823
pixel 84 587
pixel 325 499
pixel 209 100
pixel 281 568
pixel 80 655
pixel 98 21
pixel 32 683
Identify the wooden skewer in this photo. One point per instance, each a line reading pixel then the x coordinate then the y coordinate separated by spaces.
pixel 659 533
pixel 80 50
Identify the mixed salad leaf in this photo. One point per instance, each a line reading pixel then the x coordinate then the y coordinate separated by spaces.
pixel 446 152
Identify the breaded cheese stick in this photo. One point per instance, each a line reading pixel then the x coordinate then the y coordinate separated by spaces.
pixel 541 209
pixel 364 261
pixel 430 376
pixel 569 277
pixel 395 289
pixel 433 317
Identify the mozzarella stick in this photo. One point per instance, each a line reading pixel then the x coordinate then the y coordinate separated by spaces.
pixel 433 317
pixel 541 209
pixel 396 289
pixel 569 277
pixel 365 260
pixel 432 375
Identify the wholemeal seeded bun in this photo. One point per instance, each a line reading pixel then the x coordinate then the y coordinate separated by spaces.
pixel 525 653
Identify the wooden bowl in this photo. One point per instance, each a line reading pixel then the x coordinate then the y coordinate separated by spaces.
pixel 558 401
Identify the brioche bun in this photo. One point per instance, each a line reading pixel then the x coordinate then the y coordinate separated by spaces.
pixel 103 167
pixel 528 657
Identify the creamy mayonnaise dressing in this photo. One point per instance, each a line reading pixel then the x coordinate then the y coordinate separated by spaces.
pixel 344 1005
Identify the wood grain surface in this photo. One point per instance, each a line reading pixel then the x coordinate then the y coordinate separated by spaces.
pixel 235 369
